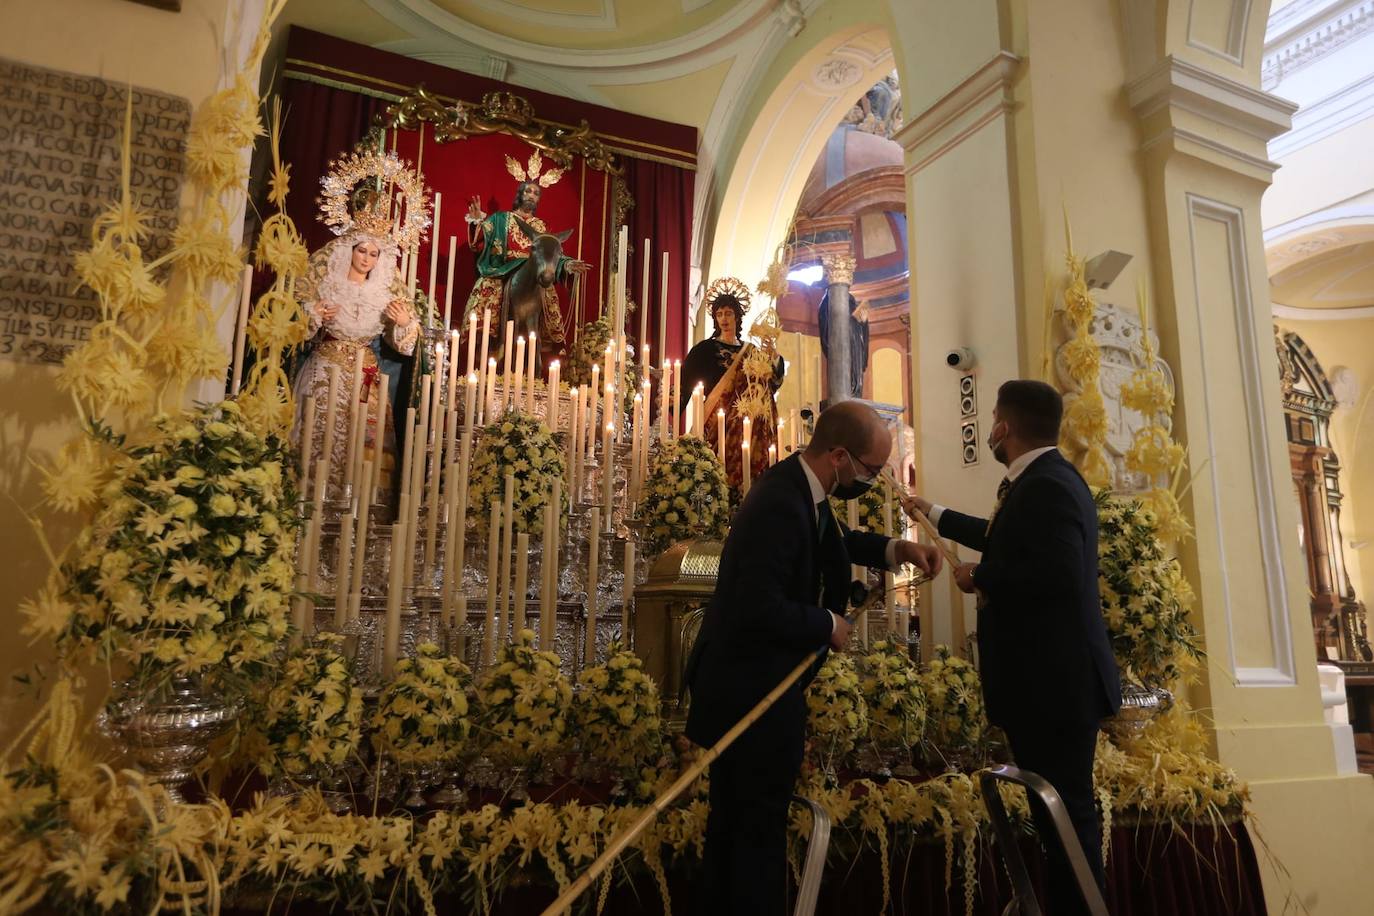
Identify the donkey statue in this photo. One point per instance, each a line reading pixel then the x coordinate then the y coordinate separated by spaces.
pixel 529 291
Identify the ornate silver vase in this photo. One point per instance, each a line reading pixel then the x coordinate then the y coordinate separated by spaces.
pixel 166 735
pixel 1140 706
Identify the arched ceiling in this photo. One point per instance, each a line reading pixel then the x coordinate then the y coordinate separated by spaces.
pixel 1339 277
pixel 589 24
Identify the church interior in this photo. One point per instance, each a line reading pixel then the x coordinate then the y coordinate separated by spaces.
pixel 380 381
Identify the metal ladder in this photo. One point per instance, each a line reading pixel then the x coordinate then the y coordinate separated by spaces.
pixel 1023 902
pixel 816 847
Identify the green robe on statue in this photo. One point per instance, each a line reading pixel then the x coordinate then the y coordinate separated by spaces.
pixel 501 250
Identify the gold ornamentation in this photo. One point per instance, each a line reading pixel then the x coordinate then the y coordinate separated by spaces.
pixel 500 112
pixel 548 179
pixel 839 268
pixel 728 286
pixel 345 208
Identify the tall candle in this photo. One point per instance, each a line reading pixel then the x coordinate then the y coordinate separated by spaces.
pixel 553 406
pixel 665 385
pixel 744 466
pixel 644 296
pixel 355 588
pixel 330 418
pixel 354 394
pixel 548 576
pixel 507 543
pixel 460 618
pixel 636 425
pixel 573 443
pixel 486 343
pixel 772 454
pixel 472 339
pixel 593 557
pixel 593 393
pixel 343 567
pixel 608 373
pixel 451 393
pixel 379 435
pixel 607 470
pixel 676 406
pixel 408 452
pixel 627 592
pixel 663 309
pixel 648 429
pixel 530 359
pixel 391 633
pixel 699 412
pixel 307 441
pixel 241 328
pixel 448 284
pixel 517 399
pixel 489 392
pixel 493 580
pixel 782 434
pixel 505 366
pixel 434 249
pixel 748 436
pixel 522 578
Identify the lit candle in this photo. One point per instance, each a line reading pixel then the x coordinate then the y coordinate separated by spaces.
pixel 451 394
pixel 505 366
pixel 636 425
pixel 593 556
pixel 486 344
pixel 748 435
pixel 553 402
pixel 698 411
pixel 772 454
pixel 391 633
pixel 531 358
pixel 522 579
pixel 663 309
pixel 434 250
pixel 448 284
pixel 241 328
pixel 627 591
pixel 648 429
pixel 608 373
pixel 472 342
pixel 744 468
pixel 720 433
pixel 517 399
pixel 489 395
pixel 493 580
pixel 573 443
pixel 676 405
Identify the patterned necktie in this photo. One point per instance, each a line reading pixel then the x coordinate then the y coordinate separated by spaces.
pixel 1002 489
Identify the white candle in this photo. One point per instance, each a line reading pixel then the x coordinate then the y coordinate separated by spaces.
pixel 434 249
pixel 665 386
pixel 593 393
pixel 644 296
pixel 408 453
pixel 531 358
pixel 379 436
pixel 548 599
pixel 472 337
pixel 553 402
pixel 507 544
pixel 493 579
pixel 331 416
pixel 489 393
pixel 448 285
pixel 744 466
pixel 343 568
pixel 355 393
pixel 648 429
pixel 241 328
pixel 608 373
pixel 720 433
pixel 636 426
pixel 522 579
pixel 460 617
pixel 451 393
pixel 517 399
pixel 355 591
pixel 307 440
pixel 391 632
pixel 482 362
pixel 607 470
pixel 593 556
pixel 676 405
pixel 573 443
pixel 627 592
pixel 782 434
pixel 772 454
pixel 748 435
pixel 505 366
pixel 663 309
pixel 699 411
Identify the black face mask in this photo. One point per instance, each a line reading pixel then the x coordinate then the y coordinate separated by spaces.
pixel 856 487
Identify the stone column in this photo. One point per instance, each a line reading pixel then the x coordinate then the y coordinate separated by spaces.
pixel 839 274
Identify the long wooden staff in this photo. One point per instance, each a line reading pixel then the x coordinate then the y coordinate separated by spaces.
pixel 921 519
pixel 627 836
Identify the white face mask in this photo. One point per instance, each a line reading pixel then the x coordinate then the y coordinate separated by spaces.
pixel 996 448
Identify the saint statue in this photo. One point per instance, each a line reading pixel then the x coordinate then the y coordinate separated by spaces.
pixel 356 302
pixel 505 242
pixel 858 341
pixel 737 378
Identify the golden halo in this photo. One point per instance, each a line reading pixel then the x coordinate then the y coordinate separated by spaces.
pixel 342 180
pixel 727 286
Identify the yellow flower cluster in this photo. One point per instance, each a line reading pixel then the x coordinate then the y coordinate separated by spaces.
pixel 1145 597
pixel 188 567
pixel 1083 434
pixel 836 714
pixel 311 718
pixel 891 686
pixel 590 350
pixel 685 495
pixel 525 703
pixel 955 722
pixel 616 713
pixel 422 716
pixel 521 446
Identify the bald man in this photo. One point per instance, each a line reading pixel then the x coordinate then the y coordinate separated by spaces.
pixel 781 595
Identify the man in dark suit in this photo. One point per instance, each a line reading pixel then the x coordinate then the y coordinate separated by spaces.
pixel 1046 663
pixel 781 594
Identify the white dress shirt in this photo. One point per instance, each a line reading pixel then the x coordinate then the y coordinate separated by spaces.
pixel 1014 470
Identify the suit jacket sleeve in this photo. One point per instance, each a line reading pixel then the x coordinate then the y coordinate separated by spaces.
pixel 969 530
pixel 1049 540
pixel 762 609
pixel 867 549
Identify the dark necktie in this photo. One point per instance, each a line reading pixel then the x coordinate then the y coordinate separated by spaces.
pixel 822 519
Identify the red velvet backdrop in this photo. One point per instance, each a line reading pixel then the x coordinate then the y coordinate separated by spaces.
pixel 334 88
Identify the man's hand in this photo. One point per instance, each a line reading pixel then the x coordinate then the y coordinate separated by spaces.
pixel 963 577
pixel 326 311
pixel 475 214
pixel 839 637
pixel 911 504
pixel 925 557
pixel 398 310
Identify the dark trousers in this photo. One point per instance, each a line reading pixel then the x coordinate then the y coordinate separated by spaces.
pixel 746 830
pixel 1063 755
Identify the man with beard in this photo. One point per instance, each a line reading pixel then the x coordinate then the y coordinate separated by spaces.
pixel 502 246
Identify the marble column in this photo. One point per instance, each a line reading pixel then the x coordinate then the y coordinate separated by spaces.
pixel 839 274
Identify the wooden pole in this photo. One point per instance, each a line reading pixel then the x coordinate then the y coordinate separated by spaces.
pixel 921 519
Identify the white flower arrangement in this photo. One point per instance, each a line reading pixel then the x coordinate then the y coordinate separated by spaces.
pixel 685 495
pixel 422 717
pixel 524 447
pixel 525 703
pixel 312 716
pixel 891 685
pixel 187 570
pixel 956 723
pixel 616 713
pixel 837 716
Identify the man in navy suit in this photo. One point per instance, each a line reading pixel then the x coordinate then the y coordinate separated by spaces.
pixel 781 594
pixel 1046 662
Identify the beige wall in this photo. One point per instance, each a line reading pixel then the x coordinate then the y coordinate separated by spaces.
pixel 178 53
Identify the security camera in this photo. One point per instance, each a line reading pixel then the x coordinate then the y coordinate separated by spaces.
pixel 1101 270
pixel 961 358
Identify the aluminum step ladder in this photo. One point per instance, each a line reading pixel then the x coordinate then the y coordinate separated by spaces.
pixel 1023 902
pixel 817 844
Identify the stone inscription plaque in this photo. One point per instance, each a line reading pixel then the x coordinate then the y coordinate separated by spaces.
pixel 61 137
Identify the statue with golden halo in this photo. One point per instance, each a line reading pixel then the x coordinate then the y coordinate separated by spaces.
pixel 519 260
pixel 738 378
pixel 356 302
